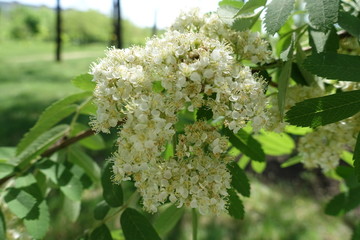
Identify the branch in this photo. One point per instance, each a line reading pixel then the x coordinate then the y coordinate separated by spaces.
pixel 64 142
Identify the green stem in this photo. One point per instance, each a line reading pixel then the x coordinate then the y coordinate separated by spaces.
pixel 194 224
pixel 77 113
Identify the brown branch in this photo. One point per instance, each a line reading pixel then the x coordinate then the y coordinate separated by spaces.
pixel 64 142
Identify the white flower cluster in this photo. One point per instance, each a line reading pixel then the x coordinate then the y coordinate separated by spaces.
pixel 323 147
pixel 296 93
pixel 246 45
pixel 146 87
pixel 192 177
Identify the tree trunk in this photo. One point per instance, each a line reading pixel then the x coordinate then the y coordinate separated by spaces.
pixel 117 39
pixel 58 32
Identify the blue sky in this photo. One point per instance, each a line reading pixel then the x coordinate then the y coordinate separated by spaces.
pixel 141 12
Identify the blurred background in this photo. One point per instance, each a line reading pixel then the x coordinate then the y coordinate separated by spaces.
pixel 44 44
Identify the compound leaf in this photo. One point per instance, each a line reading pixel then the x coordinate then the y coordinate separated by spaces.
pixel 323 13
pixel 277 13
pixel 239 179
pixel 320 111
pixel 334 66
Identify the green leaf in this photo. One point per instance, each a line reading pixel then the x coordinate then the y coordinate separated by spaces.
pixel 77 156
pixel 348 174
pixel 277 13
pixel 356 157
pixel 297 130
pixel 323 41
pixel 300 58
pixel 48 168
pixel 117 234
pixel 73 189
pixel 51 116
pixel 89 108
pixel 239 179
pixel 296 75
pixel 41 143
pixel 350 23
pixel 283 83
pixel 7 154
pixel 19 201
pixel 185 117
pixel 356 232
pixel 250 6
pixel 112 193
pixel 320 111
pixel 38 224
pixel 235 207
pixel 168 219
pixel 101 210
pixel 244 161
pixel 71 209
pixel 347 157
pixel 231 3
pixel 204 113
pixel 275 144
pixel 226 13
pixel 258 167
pixel 323 13
pixel 336 205
pixel 69 182
pixel 84 82
pixel 244 23
pixel 6 169
pixel 290 162
pixel 2 226
pixel 101 233
pixel 136 226
pixel 353 199
pixel 245 143
pixel 334 66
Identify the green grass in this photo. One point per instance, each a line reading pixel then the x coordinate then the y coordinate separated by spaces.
pixel 30 80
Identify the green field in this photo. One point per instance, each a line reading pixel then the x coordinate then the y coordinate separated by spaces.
pixel 30 80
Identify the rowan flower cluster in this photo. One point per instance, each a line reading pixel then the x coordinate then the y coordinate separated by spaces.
pixel 146 87
pixel 192 177
pixel 246 45
pixel 296 93
pixel 324 146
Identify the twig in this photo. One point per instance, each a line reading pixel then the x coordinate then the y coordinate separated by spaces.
pixel 64 142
